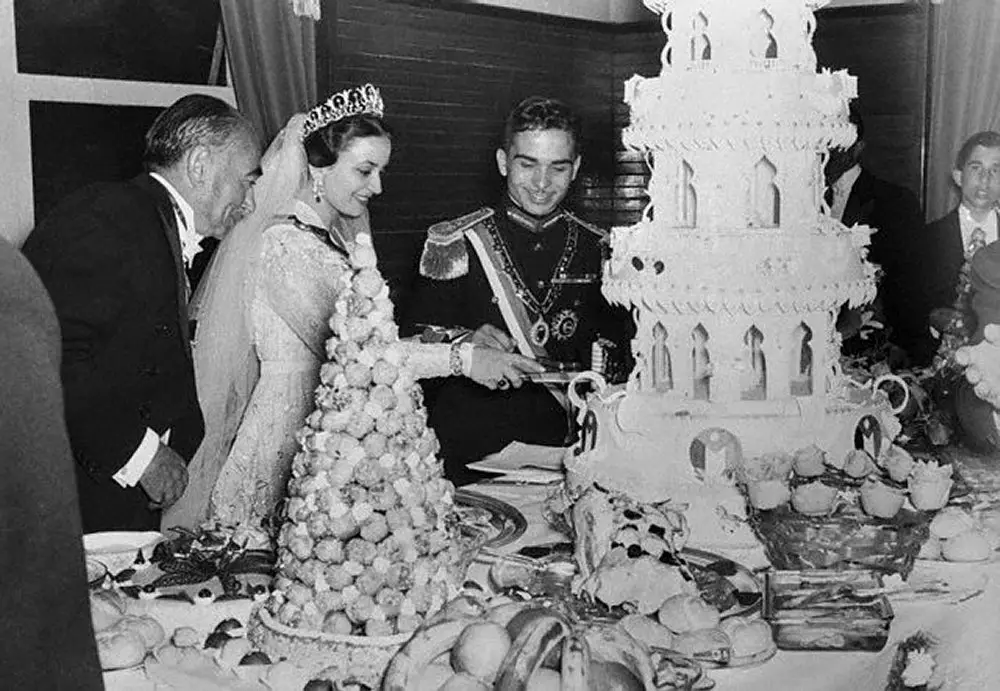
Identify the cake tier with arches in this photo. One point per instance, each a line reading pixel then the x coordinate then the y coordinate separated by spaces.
pixel 736 272
pixel 682 451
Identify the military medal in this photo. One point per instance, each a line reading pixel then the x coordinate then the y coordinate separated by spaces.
pixel 566 320
pixel 540 333
pixel 564 325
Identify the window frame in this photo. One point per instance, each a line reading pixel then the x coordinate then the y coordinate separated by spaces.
pixel 18 90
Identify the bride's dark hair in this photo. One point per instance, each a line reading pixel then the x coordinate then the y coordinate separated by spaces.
pixel 323 146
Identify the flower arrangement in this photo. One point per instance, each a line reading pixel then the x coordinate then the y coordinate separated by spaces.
pixel 913 665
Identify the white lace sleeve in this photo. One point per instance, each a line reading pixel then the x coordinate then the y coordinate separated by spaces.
pixel 428 359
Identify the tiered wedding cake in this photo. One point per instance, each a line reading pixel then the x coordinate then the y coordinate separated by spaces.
pixel 736 272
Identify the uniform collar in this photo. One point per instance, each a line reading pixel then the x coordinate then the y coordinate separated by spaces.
pixel 530 222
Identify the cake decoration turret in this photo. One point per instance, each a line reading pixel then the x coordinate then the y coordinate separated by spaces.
pixel 736 271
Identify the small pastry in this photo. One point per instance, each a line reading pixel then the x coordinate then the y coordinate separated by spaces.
pixel 768 494
pixel 858 463
pixel 880 500
pixel 971 545
pixel 930 485
pixel 898 462
pixel 813 499
pixel 682 613
pixel 810 461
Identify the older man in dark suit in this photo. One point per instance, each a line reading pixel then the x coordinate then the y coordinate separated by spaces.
pixel 112 256
pixel 45 626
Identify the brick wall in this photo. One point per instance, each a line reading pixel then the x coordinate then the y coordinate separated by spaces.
pixel 449 74
pixel 886 49
pixel 448 77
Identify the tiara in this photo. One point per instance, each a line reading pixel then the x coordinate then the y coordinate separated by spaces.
pixel 353 101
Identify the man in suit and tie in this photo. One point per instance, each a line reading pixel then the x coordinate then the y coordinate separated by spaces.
pixel 856 196
pixel 954 238
pixel 45 628
pixel 113 257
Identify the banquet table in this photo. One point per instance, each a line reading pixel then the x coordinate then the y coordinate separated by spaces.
pixel 967 632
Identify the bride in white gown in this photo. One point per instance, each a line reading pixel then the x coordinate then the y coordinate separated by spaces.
pixel 267 298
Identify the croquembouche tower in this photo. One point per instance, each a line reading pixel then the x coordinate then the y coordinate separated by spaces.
pixel 736 271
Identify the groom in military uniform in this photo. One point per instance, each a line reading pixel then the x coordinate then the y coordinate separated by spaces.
pixel 521 276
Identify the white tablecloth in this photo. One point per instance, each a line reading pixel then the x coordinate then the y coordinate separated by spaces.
pixel 968 633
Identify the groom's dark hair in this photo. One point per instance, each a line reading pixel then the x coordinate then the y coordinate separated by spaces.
pixel 325 145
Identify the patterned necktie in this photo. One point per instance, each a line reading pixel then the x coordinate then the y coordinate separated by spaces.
pixel 977 241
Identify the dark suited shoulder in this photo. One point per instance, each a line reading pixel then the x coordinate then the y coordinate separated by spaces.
pixel 109 257
pixel 45 625
pixel 943 260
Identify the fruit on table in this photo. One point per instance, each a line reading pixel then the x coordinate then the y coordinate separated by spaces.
pixel 120 649
pixel 106 608
pixel 646 630
pixel 544 648
pixel 480 649
pixel 682 613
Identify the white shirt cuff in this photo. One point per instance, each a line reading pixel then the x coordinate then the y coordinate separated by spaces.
pixel 128 475
pixel 465 352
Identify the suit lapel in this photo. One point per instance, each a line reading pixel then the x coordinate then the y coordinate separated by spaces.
pixel 168 223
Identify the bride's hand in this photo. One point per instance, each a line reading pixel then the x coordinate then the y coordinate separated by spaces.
pixel 496 369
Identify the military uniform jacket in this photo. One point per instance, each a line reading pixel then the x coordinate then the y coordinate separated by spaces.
pixel 554 274
pixel 110 258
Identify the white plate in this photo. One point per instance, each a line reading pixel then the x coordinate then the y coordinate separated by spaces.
pixel 117 549
pixel 517 456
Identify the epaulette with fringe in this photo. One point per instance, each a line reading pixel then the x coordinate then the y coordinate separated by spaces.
pixel 445 255
pixel 601 234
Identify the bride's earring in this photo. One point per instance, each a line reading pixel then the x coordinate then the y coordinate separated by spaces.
pixel 317 189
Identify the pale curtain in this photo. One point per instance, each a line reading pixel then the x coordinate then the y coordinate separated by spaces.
pixel 965 90
pixel 273 57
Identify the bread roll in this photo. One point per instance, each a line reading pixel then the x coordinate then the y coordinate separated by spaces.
pixel 682 613
pixel 971 545
pixel 149 629
pixel 951 521
pixel 768 494
pixel 106 609
pixel 645 630
pixel 120 649
pixel 809 462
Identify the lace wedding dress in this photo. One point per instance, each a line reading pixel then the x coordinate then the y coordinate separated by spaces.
pixel 292 300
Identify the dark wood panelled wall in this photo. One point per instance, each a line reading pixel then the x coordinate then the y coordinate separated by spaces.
pixel 449 72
